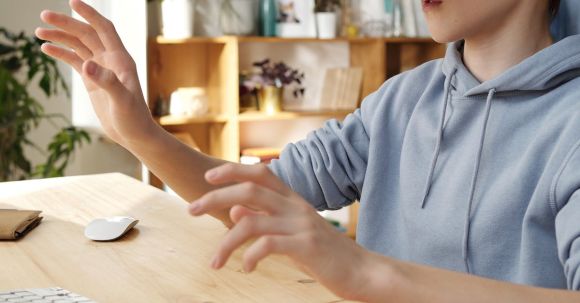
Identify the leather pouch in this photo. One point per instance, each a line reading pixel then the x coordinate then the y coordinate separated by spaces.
pixel 15 224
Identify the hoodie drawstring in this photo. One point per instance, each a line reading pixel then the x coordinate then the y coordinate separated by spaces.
pixel 439 138
pixel 490 96
pixel 467 225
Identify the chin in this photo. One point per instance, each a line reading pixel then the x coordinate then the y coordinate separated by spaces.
pixel 445 34
pixel 445 38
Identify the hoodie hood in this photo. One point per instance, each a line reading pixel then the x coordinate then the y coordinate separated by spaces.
pixel 548 68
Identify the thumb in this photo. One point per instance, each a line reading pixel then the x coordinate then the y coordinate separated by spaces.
pixel 105 79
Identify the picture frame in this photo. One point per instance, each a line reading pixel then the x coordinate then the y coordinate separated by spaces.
pixel 296 19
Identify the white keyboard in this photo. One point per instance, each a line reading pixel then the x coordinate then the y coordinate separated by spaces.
pixel 42 295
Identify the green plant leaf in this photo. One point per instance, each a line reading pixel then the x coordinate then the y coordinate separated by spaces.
pixel 6 49
pixel 20 161
pixel 20 112
pixel 13 64
pixel 60 151
pixel 45 84
pixel 32 70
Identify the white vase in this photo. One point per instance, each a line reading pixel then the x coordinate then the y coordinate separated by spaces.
pixel 326 23
pixel 178 18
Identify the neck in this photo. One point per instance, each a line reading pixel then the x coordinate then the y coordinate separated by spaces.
pixel 488 54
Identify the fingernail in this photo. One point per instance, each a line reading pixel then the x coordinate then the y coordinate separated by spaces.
pixel 210 174
pixel 214 262
pixel 246 269
pixel 91 68
pixel 194 208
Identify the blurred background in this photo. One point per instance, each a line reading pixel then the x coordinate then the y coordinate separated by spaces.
pixel 236 79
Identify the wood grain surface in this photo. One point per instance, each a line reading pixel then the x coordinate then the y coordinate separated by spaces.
pixel 164 259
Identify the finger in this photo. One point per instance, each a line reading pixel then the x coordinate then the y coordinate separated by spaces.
pixel 66 39
pixel 62 54
pixel 259 174
pixel 246 194
pixel 268 245
pixel 237 212
pixel 105 79
pixel 85 33
pixel 103 26
pixel 248 228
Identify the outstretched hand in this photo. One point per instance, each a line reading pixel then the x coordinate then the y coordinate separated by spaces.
pixel 263 208
pixel 96 52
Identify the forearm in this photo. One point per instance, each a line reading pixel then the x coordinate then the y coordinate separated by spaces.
pixel 96 52
pixel 395 281
pixel 177 165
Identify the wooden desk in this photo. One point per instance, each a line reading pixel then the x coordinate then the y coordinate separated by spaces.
pixel 164 259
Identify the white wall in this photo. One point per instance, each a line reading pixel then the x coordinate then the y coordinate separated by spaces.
pixel 132 29
pixel 100 156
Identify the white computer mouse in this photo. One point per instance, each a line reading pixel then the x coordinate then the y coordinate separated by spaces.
pixel 109 229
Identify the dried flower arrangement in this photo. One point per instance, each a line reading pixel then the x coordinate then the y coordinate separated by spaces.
pixel 267 73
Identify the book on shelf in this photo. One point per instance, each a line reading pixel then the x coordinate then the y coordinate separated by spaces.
pixel 398 17
pixel 409 19
pixel 420 21
pixel 414 22
pixel 264 155
pixel 341 89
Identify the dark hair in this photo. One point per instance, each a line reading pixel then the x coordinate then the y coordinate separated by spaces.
pixel 554 6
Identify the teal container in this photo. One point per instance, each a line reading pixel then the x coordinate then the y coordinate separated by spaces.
pixel 268 16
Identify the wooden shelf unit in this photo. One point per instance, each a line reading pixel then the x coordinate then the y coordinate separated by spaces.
pixel 241 39
pixel 214 64
pixel 178 120
pixel 286 115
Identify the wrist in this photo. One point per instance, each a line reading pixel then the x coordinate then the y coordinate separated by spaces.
pixel 150 136
pixel 381 279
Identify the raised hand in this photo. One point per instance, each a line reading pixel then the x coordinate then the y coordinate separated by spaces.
pixel 262 207
pixel 96 52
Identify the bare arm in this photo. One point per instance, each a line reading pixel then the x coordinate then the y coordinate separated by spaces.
pixel 179 166
pixel 407 282
pixel 96 52
pixel 261 206
pixel 288 225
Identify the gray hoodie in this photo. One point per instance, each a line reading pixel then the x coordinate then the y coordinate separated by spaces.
pixel 473 177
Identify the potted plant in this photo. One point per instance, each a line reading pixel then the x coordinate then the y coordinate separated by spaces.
pixel 326 18
pixel 23 65
pixel 268 81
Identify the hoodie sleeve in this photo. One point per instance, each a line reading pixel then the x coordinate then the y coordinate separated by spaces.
pixel 567 190
pixel 328 167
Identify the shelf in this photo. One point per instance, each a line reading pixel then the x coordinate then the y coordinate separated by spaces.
pixel 250 117
pixel 193 40
pixel 258 116
pixel 256 39
pixel 181 120
pixel 340 39
pixel 214 63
